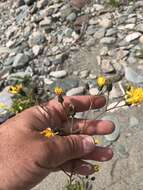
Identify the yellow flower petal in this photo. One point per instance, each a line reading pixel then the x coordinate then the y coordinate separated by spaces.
pixel 48 133
pixel 58 91
pixel 101 81
pixel 134 96
pixel 15 89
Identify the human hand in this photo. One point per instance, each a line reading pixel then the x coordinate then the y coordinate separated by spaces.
pixel 27 157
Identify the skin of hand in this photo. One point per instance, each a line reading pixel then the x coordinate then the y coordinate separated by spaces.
pixel 27 157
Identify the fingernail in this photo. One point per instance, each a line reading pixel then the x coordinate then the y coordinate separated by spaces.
pixel 88 144
pixel 86 168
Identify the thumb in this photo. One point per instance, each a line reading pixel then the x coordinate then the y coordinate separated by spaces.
pixel 61 149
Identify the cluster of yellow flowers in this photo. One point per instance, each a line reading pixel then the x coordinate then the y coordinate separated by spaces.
pixel 15 89
pixel 134 95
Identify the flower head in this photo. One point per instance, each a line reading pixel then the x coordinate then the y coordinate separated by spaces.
pixel 58 91
pixel 134 96
pixel 101 81
pixel 48 133
pixel 15 89
pixel 96 168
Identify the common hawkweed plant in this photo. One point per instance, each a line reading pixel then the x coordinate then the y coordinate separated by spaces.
pixel 25 97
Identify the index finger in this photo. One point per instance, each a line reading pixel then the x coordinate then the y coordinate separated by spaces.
pixel 83 103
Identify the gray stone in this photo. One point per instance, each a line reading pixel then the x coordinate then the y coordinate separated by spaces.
pixel 36 49
pixel 37 38
pixel 111 32
pixel 131 60
pixel 22 15
pixel 68 32
pixel 4 73
pixel 29 2
pixel 84 74
pixel 105 22
pixel 104 50
pixel 108 40
pixel 4 50
pixel 139 27
pixel 71 17
pixel 106 66
pixel 133 76
pixel 76 91
pixel 18 76
pixel 46 22
pixel 99 33
pixel 20 61
pixel 59 59
pixel 132 36
pixel 90 42
pixel 91 30
pixel 58 74
pixel 133 122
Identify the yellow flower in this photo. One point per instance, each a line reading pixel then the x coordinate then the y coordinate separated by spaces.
pixel 101 81
pixel 134 96
pixel 97 168
pixel 48 133
pixel 58 91
pixel 15 89
pixel 2 105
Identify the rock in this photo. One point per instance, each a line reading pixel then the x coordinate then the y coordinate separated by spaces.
pixel 4 73
pixel 115 92
pixel 122 53
pixel 105 23
pixel 106 66
pixel 111 32
pixel 139 27
pixel 18 76
pixel 37 38
pixel 129 26
pixel 71 17
pixel 84 74
pixel 108 40
pixel 29 2
pixel 4 50
pixel 99 33
pixel 58 74
pixel 141 39
pixel 46 22
pixel 76 91
pixel 59 59
pixel 78 4
pixel 79 22
pixel 36 49
pixel 132 36
pixel 19 3
pixel 22 15
pixel 133 122
pixel 116 133
pixel 91 30
pixel 90 42
pixel 93 91
pixel 20 61
pixel 133 76
pixel 104 51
